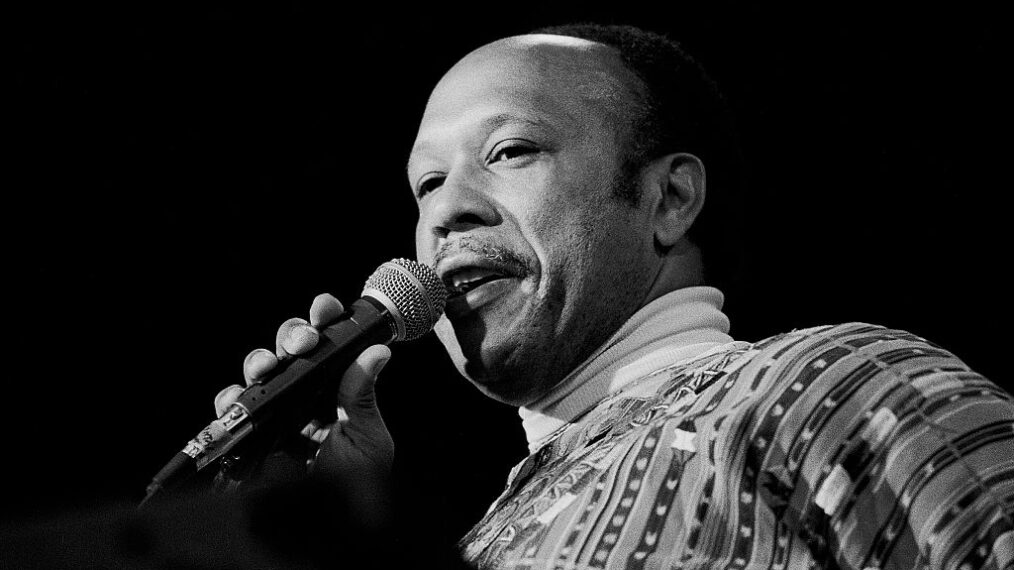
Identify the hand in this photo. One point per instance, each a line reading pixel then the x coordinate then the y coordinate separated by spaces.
pixel 356 452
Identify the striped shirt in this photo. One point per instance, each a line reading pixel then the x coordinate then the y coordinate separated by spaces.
pixel 850 446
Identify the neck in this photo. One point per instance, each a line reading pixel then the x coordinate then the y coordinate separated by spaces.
pixel 673 327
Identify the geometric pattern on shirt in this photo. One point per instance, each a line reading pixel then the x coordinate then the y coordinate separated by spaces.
pixel 849 446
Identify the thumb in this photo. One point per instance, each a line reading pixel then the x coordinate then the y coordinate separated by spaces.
pixel 360 440
pixel 356 394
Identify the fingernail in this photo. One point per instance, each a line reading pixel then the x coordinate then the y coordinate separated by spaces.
pixel 221 394
pixel 300 339
pixel 325 310
pixel 259 359
pixel 227 391
pixel 379 365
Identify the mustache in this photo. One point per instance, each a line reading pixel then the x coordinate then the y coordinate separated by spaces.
pixel 511 262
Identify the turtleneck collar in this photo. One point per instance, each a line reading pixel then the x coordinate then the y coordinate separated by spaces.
pixel 676 326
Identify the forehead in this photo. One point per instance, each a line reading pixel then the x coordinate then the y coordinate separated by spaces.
pixel 556 81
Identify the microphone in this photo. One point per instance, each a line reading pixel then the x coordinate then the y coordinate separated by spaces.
pixel 402 300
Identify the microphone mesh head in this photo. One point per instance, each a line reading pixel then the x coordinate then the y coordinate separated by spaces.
pixel 412 292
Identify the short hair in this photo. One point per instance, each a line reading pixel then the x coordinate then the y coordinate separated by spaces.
pixel 683 111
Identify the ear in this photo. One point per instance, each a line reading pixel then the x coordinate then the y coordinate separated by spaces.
pixel 679 188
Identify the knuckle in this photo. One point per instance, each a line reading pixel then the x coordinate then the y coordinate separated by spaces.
pixel 300 339
pixel 259 360
pixel 226 397
pixel 325 309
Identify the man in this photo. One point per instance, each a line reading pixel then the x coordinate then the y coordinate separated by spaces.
pixel 560 179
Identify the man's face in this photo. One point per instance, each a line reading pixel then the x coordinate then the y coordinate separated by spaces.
pixel 514 167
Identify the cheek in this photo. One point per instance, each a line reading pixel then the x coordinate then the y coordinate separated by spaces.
pixel 565 221
pixel 558 205
pixel 423 243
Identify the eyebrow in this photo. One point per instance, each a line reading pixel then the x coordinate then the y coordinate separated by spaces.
pixel 494 122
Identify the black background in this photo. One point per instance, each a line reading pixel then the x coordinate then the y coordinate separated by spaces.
pixel 182 180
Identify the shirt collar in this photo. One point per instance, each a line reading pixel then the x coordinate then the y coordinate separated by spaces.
pixel 674 327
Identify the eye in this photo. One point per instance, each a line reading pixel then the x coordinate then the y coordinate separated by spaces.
pixel 511 151
pixel 428 185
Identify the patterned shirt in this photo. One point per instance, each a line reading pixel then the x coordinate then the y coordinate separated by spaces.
pixel 850 446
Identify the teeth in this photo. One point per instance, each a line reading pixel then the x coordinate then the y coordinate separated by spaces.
pixel 466 276
pixel 460 281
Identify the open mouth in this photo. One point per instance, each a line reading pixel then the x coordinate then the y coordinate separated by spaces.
pixel 466 279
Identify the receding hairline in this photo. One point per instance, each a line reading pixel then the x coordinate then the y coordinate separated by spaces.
pixel 537 40
pixel 610 78
pixel 535 44
pixel 621 89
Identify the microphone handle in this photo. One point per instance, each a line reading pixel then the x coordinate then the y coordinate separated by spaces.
pixel 366 323
pixel 285 400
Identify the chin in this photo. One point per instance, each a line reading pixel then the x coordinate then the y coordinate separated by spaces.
pixel 500 370
pixel 495 381
pixel 503 391
pixel 504 380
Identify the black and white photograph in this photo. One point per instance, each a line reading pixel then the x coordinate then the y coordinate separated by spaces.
pixel 498 286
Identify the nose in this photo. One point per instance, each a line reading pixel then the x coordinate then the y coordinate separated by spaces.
pixel 459 205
